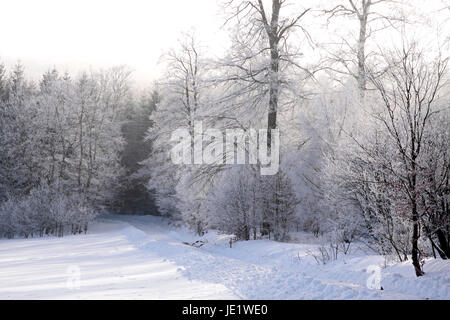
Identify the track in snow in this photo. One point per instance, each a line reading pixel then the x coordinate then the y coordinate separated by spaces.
pixel 144 258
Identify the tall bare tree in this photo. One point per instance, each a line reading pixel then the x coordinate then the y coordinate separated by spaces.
pixel 368 17
pixel 183 98
pixel 263 50
pixel 410 89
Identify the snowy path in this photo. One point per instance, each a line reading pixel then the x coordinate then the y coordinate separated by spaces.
pixel 109 264
pixel 144 258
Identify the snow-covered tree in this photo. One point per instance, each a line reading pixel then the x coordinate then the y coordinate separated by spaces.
pixel 64 131
pixel 183 100
pixel 410 90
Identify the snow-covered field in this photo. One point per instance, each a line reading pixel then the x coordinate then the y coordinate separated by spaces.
pixel 145 258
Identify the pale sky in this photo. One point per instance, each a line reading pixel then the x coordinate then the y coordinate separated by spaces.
pixel 75 34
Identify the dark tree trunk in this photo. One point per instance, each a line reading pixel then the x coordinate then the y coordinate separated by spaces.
pixel 415 240
pixel 443 244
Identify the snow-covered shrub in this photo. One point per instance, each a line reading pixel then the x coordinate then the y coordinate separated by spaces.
pixel 46 210
pixel 435 187
pixel 248 205
pixel 191 204
pixel 234 204
pixel 279 204
pixel 361 201
pixel 325 253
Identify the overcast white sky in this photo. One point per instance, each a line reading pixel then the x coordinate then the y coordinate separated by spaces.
pixel 73 34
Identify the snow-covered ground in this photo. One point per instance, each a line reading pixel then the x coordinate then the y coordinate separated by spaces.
pixel 145 258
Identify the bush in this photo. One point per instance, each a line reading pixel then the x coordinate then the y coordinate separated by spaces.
pixel 45 210
pixel 247 205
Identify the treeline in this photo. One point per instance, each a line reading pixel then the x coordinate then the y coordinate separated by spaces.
pixel 62 147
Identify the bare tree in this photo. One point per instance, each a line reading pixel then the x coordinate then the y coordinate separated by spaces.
pixel 410 89
pixel 368 18
pixel 183 98
pixel 263 51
